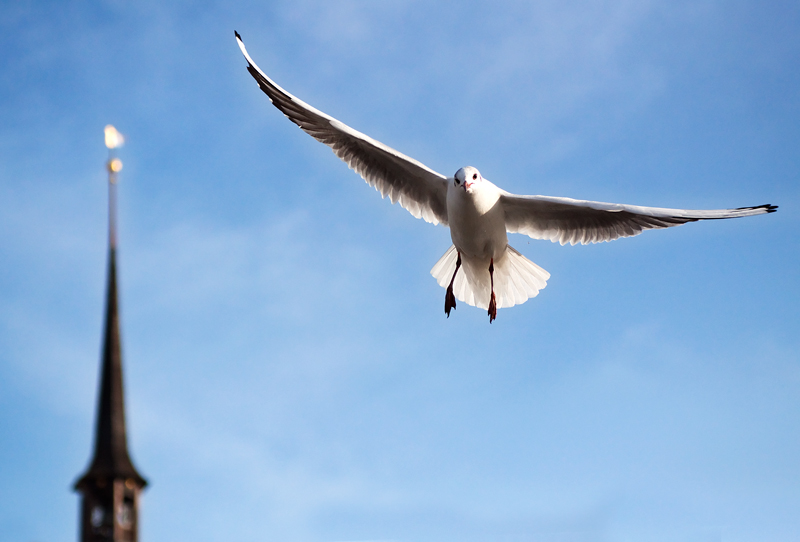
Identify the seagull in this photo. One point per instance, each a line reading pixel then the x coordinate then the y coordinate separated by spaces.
pixel 493 275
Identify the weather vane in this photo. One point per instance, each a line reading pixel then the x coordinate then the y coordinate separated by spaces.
pixel 114 140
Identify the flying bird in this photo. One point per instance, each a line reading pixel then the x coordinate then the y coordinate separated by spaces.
pixel 480 268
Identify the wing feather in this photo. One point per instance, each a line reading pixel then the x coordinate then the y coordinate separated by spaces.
pixel 572 221
pixel 417 188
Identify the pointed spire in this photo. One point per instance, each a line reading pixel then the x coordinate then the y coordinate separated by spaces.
pixel 111 459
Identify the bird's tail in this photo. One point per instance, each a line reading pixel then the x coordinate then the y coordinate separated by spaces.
pixel 516 278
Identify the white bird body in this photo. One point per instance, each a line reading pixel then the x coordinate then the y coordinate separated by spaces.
pixel 479 214
pixel 477 223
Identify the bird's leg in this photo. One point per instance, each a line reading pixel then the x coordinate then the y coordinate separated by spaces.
pixel 493 300
pixel 449 298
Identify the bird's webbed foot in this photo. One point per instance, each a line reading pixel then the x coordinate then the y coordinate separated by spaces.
pixel 449 301
pixel 449 297
pixel 492 308
pixel 493 299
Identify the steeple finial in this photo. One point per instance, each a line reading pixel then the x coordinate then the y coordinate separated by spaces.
pixel 114 139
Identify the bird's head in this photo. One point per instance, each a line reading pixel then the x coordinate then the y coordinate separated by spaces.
pixel 466 178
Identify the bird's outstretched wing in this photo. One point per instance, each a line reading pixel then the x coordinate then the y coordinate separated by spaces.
pixel 418 189
pixel 572 221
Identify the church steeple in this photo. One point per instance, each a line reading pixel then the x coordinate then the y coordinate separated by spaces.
pixel 111 486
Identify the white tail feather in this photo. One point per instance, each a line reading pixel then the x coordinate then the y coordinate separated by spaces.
pixel 516 278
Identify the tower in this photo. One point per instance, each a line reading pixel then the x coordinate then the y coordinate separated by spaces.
pixel 111 486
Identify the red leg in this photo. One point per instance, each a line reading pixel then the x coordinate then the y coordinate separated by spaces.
pixel 449 298
pixel 493 300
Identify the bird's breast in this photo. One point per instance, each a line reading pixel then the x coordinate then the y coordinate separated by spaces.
pixel 477 224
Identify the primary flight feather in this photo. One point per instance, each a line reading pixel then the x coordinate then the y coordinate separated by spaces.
pixel 493 275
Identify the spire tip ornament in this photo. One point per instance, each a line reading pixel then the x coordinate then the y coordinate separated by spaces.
pixel 114 139
pixel 114 165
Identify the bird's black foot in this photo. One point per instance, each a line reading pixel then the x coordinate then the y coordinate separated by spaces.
pixel 449 300
pixel 493 300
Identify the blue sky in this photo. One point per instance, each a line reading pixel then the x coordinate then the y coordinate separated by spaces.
pixel 290 374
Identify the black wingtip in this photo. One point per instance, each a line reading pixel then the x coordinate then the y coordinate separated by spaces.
pixel 768 208
pixel 238 37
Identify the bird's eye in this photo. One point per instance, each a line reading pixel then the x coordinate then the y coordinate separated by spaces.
pixel 458 182
pixel 474 176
